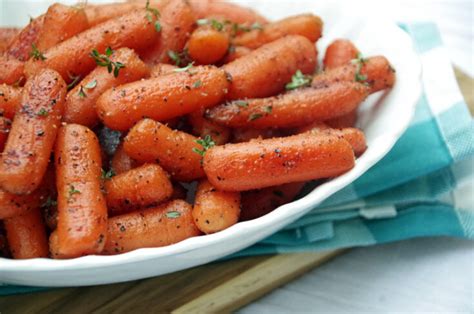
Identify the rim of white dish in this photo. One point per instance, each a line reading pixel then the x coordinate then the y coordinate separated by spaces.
pixel 298 207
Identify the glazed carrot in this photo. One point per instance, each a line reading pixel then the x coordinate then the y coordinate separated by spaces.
pixel 262 163
pixel 345 121
pixel 11 70
pixel 307 25
pixel 228 11
pixel 13 205
pixel 151 141
pixel 140 187
pixel 72 57
pixel 202 127
pixel 292 109
pixel 82 211
pixel 162 98
pixel 207 45
pixel 6 36
pixel 121 162
pixel 245 135
pixel 61 22
pixel 177 22
pixel 338 53
pixel 236 52
pixel 265 71
pixel 161 69
pixel 10 99
pixel 5 125
pixel 97 14
pixel 26 235
pixel 354 136
pixel 215 210
pixel 80 101
pixel 164 225
pixel 33 132
pixel 257 203
pixel 375 71
pixel 21 45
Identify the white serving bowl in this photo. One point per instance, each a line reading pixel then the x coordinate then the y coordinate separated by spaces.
pixel 383 117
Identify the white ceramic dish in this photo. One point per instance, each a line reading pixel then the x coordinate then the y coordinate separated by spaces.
pixel 383 117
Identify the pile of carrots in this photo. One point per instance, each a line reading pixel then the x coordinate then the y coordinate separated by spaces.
pixel 197 90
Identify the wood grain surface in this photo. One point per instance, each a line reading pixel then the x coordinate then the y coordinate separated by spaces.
pixel 216 287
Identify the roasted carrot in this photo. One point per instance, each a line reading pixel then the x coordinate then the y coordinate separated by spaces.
pixel 292 109
pixel 245 135
pixel 262 163
pixel 151 141
pixel 97 14
pixel 307 25
pixel 10 99
pixel 82 211
pixel 72 57
pixel 338 53
pixel 13 205
pixel 161 69
pixel 374 71
pixel 203 127
pixel 80 101
pixel 207 45
pixel 11 70
pixel 21 45
pixel 257 203
pixel 166 224
pixel 6 36
pixel 26 235
pixel 177 22
pixel 235 52
pixel 228 11
pixel 215 210
pixel 121 162
pixel 162 98
pixel 347 120
pixel 33 132
pixel 140 187
pixel 265 71
pixel 5 125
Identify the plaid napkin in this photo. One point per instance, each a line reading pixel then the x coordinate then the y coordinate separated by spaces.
pixel 421 188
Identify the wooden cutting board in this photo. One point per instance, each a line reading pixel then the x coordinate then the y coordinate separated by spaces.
pixel 216 287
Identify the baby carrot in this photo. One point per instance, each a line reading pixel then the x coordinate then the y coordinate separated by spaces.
pixel 161 69
pixel 207 45
pixel 166 224
pixel 245 135
pixel 13 205
pixel 11 70
pixel 162 98
pixel 143 186
pixel 235 52
pixel 347 120
pixel 81 100
pixel 175 151
pixel 292 109
pixel 33 132
pixel 203 127
pixel 215 210
pixel 22 44
pixel 82 211
pixel 307 25
pixel 5 125
pixel 97 14
pixel 265 71
pixel 121 162
pixel 10 99
pixel 262 163
pixel 338 53
pixel 26 235
pixel 6 36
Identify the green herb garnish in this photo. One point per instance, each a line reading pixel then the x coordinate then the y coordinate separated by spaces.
pixel 268 109
pixel 107 175
pixel 103 60
pixel 75 80
pixel 36 54
pixel 179 58
pixel 173 214
pixel 359 61
pixel 73 191
pixel 49 203
pixel 241 103
pixel 298 80
pixel 153 12
pixel 206 143
pixel 197 84
pixel 43 112
pixel 185 69
pixel 255 116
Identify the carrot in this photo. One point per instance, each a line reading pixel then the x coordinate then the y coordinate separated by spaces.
pixel 72 57
pixel 215 210
pixel 11 70
pixel 162 98
pixel 203 127
pixel 235 52
pixel 61 22
pixel 354 136
pixel 375 71
pixel 265 71
pixel 161 69
pixel 177 22
pixel 10 99
pixel 5 125
pixel 33 132
pixel 121 162
pixel 166 224
pixel 245 135
pixel 97 14
pixel 82 211
pixel 307 25
pixel 257 203
pixel 49 207
pixel 143 186
pixel 338 53
pixel 80 101
pixel 26 235
pixel 347 120
pixel 262 163
pixel 151 141
pixel 12 205
pixel 207 45
pixel 6 36
pixel 228 11
pixel 21 45
pixel 291 109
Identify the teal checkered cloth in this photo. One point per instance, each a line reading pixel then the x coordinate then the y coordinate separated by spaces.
pixel 418 189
